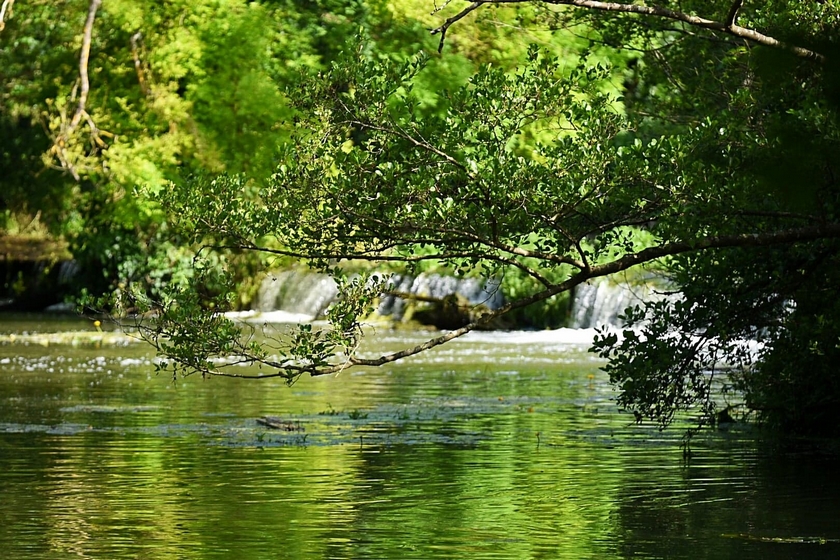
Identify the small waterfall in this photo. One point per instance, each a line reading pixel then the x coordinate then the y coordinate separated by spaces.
pixel 305 295
pixel 599 302
pixel 302 295
pixel 475 291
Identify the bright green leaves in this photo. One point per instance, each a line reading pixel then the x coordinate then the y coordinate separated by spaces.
pixel 532 174
pixel 522 154
pixel 192 334
pixel 237 101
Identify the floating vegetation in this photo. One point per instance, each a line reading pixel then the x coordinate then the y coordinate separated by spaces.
pixel 276 423
pixel 427 422
pixel 330 412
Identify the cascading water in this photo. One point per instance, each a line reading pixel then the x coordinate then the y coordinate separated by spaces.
pixel 303 295
pixel 475 291
pixel 600 302
pixel 296 295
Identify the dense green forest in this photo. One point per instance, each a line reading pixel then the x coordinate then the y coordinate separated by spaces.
pixel 546 142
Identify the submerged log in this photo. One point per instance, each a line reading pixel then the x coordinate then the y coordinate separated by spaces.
pixel 280 424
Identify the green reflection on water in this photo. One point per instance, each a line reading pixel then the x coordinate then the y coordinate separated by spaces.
pixel 488 449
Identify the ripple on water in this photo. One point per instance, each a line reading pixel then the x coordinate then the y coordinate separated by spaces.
pixel 504 446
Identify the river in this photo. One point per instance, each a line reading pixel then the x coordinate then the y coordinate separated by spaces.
pixel 499 445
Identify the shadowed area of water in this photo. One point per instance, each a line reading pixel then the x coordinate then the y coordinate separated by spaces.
pixel 502 445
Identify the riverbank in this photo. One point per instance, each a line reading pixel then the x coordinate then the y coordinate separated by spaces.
pixel 34 272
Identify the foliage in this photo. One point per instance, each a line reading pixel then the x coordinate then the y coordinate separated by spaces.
pixel 156 113
pixel 764 148
pixel 175 89
pixel 697 136
pixel 538 170
pixel 472 199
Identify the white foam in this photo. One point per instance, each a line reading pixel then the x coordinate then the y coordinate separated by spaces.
pixel 554 336
pixel 269 316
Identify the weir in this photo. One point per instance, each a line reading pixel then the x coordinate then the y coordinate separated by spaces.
pixel 473 290
pixel 307 295
pixel 599 302
pixel 302 295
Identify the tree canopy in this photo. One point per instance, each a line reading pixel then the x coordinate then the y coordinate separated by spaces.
pixel 699 139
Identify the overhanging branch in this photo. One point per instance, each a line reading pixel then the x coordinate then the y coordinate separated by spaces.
pixel 628 261
pixel 728 27
pixel 797 235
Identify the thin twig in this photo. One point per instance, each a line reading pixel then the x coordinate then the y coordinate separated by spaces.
pixel 138 64
pixel 732 16
pixel 450 21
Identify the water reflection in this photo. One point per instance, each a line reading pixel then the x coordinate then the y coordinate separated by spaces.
pixel 493 448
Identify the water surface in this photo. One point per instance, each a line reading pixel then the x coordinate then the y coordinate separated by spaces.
pixel 503 445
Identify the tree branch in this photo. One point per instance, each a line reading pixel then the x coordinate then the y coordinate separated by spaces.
pixel 5 8
pixel 291 371
pixel 733 13
pixel 83 66
pixel 418 143
pixel 729 27
pixel 830 231
pixel 66 129
pixel 450 21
